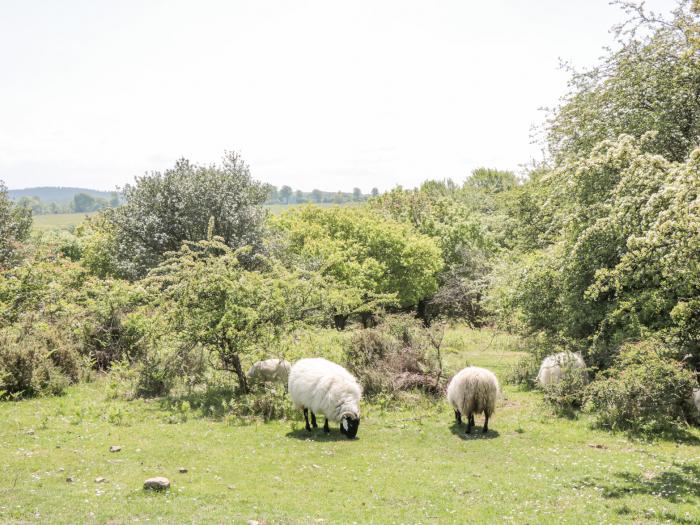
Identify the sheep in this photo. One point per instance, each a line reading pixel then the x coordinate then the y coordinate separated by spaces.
pixel 319 385
pixel 473 390
pixel 273 370
pixel 554 367
pixel 696 399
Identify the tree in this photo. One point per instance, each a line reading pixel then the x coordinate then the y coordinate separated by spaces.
pixel 367 260
pixel 649 84
pixel 356 194
pixel 492 180
pixel 164 209
pixel 317 196
pixel 375 192
pixel 15 225
pixel 285 193
pixel 299 197
pixel 83 203
pixel 212 300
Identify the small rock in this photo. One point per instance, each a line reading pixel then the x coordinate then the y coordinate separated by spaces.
pixel 30 432
pixel 597 445
pixel 182 470
pixel 115 448
pixel 253 522
pixel 100 479
pixel 61 469
pixel 157 483
pixel 70 479
pixel 231 487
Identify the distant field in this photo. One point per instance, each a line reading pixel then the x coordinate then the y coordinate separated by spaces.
pixel 68 221
pixel 58 221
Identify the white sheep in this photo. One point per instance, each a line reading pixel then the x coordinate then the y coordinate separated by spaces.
pixel 272 370
pixel 554 367
pixel 473 390
pixel 327 388
pixel 696 399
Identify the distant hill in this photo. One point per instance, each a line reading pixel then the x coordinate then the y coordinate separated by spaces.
pixel 57 194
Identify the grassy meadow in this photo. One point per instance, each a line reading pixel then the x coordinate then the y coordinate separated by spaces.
pixel 410 464
pixel 68 221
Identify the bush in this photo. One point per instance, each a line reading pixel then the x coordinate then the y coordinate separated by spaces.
pixel 568 394
pixel 37 360
pixel 399 355
pixel 646 390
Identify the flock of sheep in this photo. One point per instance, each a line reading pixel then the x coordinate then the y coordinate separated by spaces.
pixel 317 385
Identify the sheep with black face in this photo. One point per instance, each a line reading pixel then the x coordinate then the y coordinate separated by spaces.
pixel 320 386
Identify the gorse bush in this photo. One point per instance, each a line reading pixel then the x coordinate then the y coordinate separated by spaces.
pixel 646 390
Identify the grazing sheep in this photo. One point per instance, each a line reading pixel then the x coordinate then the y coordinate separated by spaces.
pixel 473 390
pixel 696 399
pixel 554 367
pixel 273 370
pixel 321 386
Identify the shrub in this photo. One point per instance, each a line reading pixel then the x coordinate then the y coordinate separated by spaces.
pixel 398 355
pixel 645 390
pixel 37 360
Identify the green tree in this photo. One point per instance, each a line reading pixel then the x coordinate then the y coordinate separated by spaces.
pixel 211 299
pixel 375 192
pixel 317 196
pixel 84 203
pixel 649 84
pixel 492 180
pixel 357 195
pixel 15 225
pixel 285 193
pixel 368 260
pixel 164 209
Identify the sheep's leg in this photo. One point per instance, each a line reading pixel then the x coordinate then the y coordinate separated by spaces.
pixel 306 418
pixel 313 420
pixel 458 417
pixel 326 428
pixel 486 423
pixel 470 423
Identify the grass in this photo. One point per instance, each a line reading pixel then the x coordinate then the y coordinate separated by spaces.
pixel 58 221
pixel 68 221
pixel 409 465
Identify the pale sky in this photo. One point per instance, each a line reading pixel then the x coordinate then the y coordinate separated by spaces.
pixel 315 94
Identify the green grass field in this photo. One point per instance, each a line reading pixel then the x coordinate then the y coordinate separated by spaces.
pixel 68 221
pixel 58 221
pixel 408 465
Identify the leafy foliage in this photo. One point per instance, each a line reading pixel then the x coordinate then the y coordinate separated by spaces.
pixel 164 209
pixel 15 222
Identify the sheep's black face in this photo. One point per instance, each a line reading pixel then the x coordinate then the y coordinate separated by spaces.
pixel 349 426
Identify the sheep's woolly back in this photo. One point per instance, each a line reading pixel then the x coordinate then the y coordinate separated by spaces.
pixel 696 399
pixel 276 370
pixel 324 388
pixel 554 366
pixel 473 390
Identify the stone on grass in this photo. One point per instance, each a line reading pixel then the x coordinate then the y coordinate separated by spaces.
pixel 115 448
pixel 182 470
pixel 70 479
pixel 100 479
pixel 157 483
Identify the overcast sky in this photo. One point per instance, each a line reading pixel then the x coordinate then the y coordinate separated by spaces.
pixel 323 94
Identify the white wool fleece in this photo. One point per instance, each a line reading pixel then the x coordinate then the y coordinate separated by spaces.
pixel 473 390
pixel 324 388
pixel 270 370
pixel 554 366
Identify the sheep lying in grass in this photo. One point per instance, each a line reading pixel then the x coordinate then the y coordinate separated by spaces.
pixel 327 388
pixel 473 390
pixel 272 370
pixel 554 367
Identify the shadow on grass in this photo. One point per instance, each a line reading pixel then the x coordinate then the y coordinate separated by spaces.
pixel 476 433
pixel 318 435
pixel 676 484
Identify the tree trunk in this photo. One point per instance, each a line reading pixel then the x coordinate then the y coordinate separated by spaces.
pixel 423 313
pixel 340 321
pixel 367 319
pixel 238 368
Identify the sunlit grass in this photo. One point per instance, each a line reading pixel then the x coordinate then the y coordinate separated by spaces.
pixel 409 465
